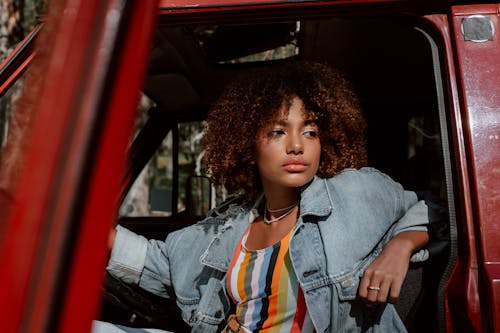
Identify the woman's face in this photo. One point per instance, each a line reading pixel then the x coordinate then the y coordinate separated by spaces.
pixel 288 150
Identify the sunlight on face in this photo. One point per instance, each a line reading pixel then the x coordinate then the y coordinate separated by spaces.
pixel 288 151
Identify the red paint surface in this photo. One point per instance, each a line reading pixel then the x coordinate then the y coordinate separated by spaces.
pixel 64 209
pixel 479 70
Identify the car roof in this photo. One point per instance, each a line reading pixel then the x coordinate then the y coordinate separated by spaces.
pixel 184 4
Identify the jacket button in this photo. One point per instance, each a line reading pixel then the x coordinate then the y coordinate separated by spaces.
pixel 218 314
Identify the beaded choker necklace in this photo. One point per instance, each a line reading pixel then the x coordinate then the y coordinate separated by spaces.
pixel 287 211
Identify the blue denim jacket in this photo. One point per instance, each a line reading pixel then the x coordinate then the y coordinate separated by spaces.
pixel 344 223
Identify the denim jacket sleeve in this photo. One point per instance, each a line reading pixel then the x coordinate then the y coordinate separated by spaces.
pixel 136 260
pixel 415 219
pixel 416 212
pixel 380 200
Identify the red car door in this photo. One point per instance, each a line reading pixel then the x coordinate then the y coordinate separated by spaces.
pixel 83 92
pixel 476 29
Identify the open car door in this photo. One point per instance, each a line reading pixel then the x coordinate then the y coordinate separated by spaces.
pixel 86 77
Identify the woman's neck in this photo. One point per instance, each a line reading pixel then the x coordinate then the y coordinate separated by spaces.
pixel 277 199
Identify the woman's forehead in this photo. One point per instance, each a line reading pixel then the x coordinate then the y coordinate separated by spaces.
pixel 283 112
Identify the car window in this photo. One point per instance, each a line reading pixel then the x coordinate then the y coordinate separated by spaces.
pixel 189 66
pixel 165 179
pixel 246 46
pixel 392 62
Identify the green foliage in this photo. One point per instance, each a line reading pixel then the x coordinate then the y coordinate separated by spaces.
pixel 26 14
pixel 33 10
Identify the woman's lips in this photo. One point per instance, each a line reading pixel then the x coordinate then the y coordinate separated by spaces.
pixel 295 166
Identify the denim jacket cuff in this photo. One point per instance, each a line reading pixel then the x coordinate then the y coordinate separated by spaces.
pixel 420 256
pixel 127 256
pixel 416 218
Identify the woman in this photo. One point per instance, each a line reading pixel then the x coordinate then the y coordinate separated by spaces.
pixel 308 232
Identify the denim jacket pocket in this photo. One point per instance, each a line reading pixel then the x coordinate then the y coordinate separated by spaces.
pixel 188 308
pixel 347 289
pixel 347 283
pixel 353 315
pixel 214 304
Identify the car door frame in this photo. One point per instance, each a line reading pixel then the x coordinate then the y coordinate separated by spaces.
pixel 90 61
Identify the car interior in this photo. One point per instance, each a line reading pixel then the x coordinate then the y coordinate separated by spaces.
pixel 392 62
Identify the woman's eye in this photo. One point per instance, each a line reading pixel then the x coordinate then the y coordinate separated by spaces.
pixel 311 133
pixel 276 132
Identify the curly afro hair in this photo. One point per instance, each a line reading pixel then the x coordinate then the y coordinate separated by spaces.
pixel 251 102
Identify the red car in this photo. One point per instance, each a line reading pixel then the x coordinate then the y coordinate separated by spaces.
pixel 79 152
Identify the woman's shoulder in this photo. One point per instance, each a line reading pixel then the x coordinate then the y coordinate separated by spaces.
pixel 217 217
pixel 366 181
pixel 360 172
pixel 366 175
pixel 232 206
pixel 193 240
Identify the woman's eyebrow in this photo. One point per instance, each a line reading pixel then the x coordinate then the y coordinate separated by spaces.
pixel 280 122
pixel 284 122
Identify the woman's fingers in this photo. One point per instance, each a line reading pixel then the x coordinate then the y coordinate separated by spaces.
pixel 379 286
pixel 395 290
pixel 383 278
pixel 373 287
pixel 385 287
pixel 370 285
pixel 363 285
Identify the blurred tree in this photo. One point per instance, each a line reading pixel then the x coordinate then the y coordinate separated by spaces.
pixel 11 29
pixel 17 18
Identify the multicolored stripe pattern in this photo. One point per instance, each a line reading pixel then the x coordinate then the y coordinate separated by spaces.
pixel 263 285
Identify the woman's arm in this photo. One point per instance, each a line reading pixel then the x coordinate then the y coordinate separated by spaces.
pixel 389 270
pixel 139 261
pixel 111 238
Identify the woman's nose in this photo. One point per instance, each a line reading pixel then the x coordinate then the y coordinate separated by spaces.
pixel 295 145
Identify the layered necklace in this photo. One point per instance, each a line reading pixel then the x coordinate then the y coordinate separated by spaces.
pixel 284 212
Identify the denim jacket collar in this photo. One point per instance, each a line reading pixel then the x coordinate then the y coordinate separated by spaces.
pixel 315 199
pixel 220 251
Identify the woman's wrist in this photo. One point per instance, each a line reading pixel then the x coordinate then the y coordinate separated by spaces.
pixel 111 238
pixel 409 241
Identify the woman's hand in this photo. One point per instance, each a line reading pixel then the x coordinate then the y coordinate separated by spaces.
pixel 111 238
pixel 382 280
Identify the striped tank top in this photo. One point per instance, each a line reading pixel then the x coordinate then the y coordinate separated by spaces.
pixel 265 289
